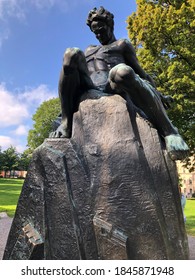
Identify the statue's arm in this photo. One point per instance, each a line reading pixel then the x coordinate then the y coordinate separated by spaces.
pixel 131 60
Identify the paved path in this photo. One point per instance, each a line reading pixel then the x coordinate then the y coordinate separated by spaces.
pixel 5 223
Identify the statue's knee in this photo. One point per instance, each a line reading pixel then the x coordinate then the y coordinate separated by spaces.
pixel 121 72
pixel 72 56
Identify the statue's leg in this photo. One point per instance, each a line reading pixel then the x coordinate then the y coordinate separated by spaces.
pixel 74 79
pixel 144 96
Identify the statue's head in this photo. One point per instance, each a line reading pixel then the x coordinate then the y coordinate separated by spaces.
pixel 100 14
pixel 101 23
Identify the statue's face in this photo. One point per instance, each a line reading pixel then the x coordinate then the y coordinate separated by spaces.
pixel 102 31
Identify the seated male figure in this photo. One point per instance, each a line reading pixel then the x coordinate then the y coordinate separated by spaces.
pixel 113 67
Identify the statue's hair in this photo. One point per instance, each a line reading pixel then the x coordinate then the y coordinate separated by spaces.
pixel 100 14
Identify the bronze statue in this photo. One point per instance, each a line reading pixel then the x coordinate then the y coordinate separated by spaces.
pixel 113 67
pixel 109 190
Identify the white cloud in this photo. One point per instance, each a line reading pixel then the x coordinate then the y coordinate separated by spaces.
pixel 21 130
pixel 6 142
pixel 19 148
pixel 47 4
pixel 12 112
pixel 19 8
pixel 36 95
pixel 9 9
pixel 64 6
pixel 18 107
pixel 12 8
pixel 16 110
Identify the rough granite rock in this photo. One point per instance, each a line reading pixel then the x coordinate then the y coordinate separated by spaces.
pixel 109 192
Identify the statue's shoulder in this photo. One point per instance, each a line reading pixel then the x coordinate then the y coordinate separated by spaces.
pixel 123 42
pixel 91 50
pixel 126 46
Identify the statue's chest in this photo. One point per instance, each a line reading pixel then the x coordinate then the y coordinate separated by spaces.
pixel 104 57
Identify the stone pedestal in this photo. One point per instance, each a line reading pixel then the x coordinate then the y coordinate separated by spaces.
pixel 109 192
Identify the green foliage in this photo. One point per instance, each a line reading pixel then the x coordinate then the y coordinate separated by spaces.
pixel 24 160
pixel 10 159
pixel 43 118
pixel 163 35
pixel 1 160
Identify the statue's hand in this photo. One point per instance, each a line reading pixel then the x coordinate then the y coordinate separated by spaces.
pixel 61 132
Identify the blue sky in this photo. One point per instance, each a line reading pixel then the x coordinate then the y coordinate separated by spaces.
pixel 33 37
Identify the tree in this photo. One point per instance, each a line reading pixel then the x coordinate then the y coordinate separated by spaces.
pixel 10 159
pixel 24 160
pixel 1 160
pixel 163 34
pixel 43 119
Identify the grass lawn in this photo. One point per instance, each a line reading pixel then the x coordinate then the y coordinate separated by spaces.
pixel 9 193
pixel 190 216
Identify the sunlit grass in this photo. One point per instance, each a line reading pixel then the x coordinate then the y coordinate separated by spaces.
pixel 9 193
pixel 190 216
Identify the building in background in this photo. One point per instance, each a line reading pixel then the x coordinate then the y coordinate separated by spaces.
pixel 14 174
pixel 187 180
